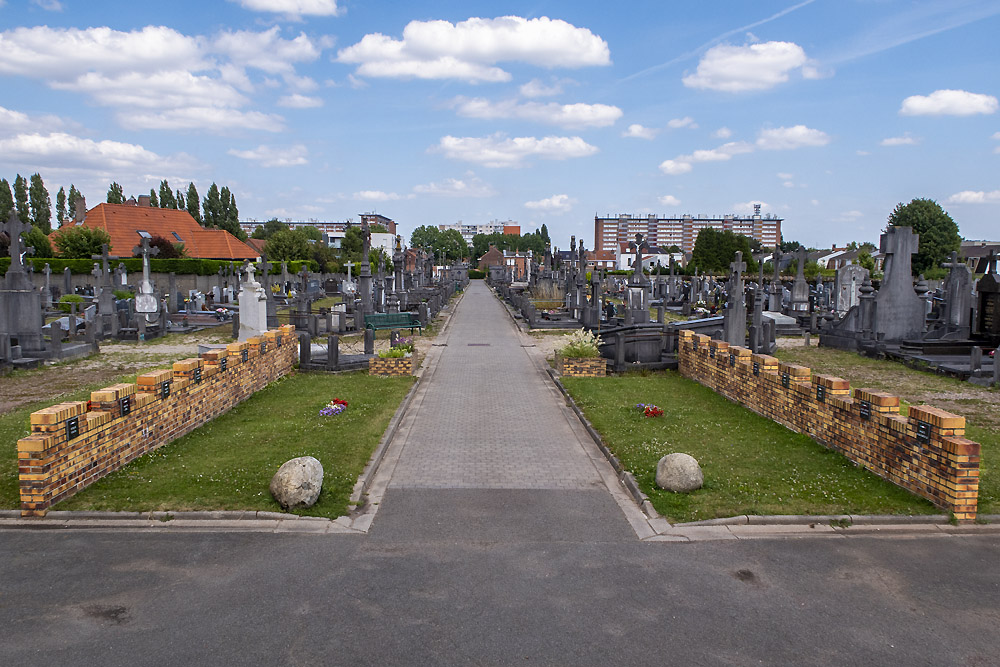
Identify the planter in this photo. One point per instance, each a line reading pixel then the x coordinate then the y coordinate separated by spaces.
pixel 586 367
pixel 392 366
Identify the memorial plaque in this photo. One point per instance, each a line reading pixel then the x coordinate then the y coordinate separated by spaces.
pixel 923 433
pixel 711 352
pixel 756 368
pixel 72 428
pixel 125 403
pixel 165 389
pixel 197 375
pixel 821 393
pixel 145 303
pixel 732 359
pixel 222 365
pixel 785 380
pixel 865 410
pixel 244 355
pixel 263 346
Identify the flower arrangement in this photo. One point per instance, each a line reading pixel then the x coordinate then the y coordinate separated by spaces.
pixel 334 407
pixel 649 410
pixel 580 344
pixel 397 352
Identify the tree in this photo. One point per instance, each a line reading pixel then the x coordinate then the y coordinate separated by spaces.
pixel 21 199
pixel 72 198
pixel 268 229
pixel 714 250
pixel 212 207
pixel 167 199
pixel 789 246
pixel 866 261
pixel 41 205
pixel 115 194
pixel 6 200
pixel 37 239
pixel 61 205
pixel 168 250
pixel 425 237
pixel 179 197
pixel 154 202
pixel 313 234
pixel 194 203
pixel 80 242
pixel 230 215
pixel 288 246
pixel 939 235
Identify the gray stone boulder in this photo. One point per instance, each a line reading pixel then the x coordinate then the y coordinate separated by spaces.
pixel 297 483
pixel 679 473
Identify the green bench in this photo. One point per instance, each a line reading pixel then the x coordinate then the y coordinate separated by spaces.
pixel 393 321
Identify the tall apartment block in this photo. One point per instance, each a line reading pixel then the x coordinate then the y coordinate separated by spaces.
pixel 493 227
pixel 610 232
pixel 327 226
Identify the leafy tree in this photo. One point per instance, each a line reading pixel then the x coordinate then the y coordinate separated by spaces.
pixel 167 199
pixel 168 250
pixel 313 234
pixel 939 235
pixel 41 204
pixel 326 257
pixel 61 205
pixel 212 207
pixel 425 237
pixel 80 242
pixel 545 234
pixel 72 198
pixel 194 203
pixel 116 195
pixel 866 261
pixel 789 246
pixel 351 245
pixel 268 229
pixel 287 245
pixel 6 200
pixel 21 199
pixel 230 214
pixel 714 250
pixel 37 239
pixel 154 201
pixel 179 197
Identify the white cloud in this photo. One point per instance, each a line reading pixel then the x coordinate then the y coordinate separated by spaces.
pixel 296 101
pixel 974 197
pixel 675 167
pixel 202 118
pixel 498 151
pixel 274 156
pixel 636 131
pixel 536 88
pixel 470 186
pixel 736 69
pixel 563 115
pixel 294 7
pixel 996 135
pixel 49 5
pixel 948 103
pixel 722 133
pixel 16 121
pixel 59 149
pixel 470 49
pixel 849 216
pixel 785 176
pixel 686 121
pixel 556 204
pixel 669 200
pixel 862 153
pixel 375 195
pixel 905 140
pixel 789 138
pixel 181 80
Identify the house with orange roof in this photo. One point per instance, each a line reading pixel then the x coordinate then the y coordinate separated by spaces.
pixel 126 224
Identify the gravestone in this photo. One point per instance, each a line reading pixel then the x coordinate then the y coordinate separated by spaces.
pixel 67 281
pixel 20 303
pixel 958 296
pixel 847 287
pixel 735 317
pixel 776 291
pixel 146 303
pixel 899 313
pixel 800 288
pixel 988 310
pixel 47 290
pixel 253 306
pixel 105 290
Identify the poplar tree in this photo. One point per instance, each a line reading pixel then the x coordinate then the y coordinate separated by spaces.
pixel 212 207
pixel 167 199
pixel 74 194
pixel 153 201
pixel 115 194
pixel 41 204
pixel 21 199
pixel 194 203
pixel 61 205
pixel 179 196
pixel 6 200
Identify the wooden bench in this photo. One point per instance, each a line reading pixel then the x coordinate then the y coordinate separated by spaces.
pixel 393 321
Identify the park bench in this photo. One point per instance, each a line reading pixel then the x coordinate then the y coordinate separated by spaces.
pixel 393 321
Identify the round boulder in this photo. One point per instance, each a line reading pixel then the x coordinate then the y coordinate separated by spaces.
pixel 679 473
pixel 297 483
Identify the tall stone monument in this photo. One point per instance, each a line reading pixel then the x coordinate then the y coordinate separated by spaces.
pixel 20 302
pixel 899 313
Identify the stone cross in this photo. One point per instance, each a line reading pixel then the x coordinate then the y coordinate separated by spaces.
pixel 96 271
pixel 349 265
pixel 776 266
pixel 738 266
pixel 954 264
pixel 802 255
pixel 48 285
pixel 304 275
pixel 14 228
pixel 248 268
pixel 145 301
pixel 637 247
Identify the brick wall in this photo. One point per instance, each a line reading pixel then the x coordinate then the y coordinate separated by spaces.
pixel 925 453
pixel 581 367
pixel 74 444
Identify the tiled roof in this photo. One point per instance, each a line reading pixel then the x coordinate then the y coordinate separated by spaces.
pixel 123 222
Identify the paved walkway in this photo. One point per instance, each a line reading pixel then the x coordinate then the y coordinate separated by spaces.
pixel 489 439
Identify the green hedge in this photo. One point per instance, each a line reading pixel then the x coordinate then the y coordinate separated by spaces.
pixel 475 274
pixel 200 267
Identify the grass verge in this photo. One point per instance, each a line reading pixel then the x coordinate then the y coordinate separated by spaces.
pixel 228 463
pixel 752 465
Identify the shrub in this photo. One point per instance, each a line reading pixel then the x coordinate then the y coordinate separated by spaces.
pixel 580 344
pixel 66 299
pixel 476 274
pixel 394 353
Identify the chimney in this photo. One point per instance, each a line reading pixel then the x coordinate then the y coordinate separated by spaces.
pixel 130 202
pixel 81 209
pixel 143 200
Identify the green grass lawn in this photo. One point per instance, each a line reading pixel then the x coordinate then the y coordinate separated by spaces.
pixel 228 463
pixel 752 465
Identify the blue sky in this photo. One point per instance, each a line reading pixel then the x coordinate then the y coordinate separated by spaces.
pixel 827 112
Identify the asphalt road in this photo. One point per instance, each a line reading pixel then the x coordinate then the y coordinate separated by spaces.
pixel 516 593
